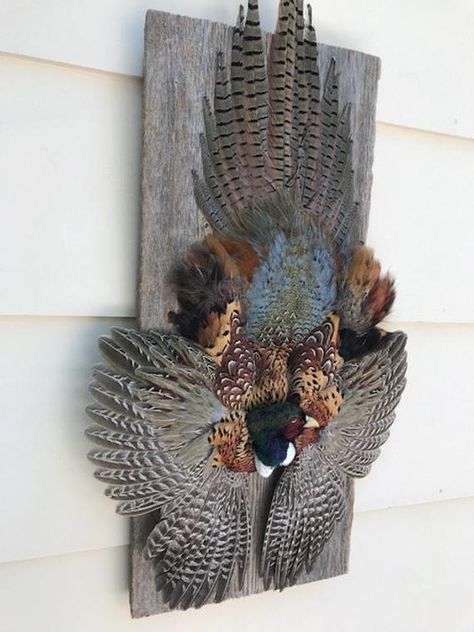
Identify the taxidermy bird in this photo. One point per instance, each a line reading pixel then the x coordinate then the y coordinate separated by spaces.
pixel 276 365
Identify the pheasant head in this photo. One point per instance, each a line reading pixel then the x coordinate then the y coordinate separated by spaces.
pixel 273 429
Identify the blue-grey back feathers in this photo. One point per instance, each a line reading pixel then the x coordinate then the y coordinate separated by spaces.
pixel 294 288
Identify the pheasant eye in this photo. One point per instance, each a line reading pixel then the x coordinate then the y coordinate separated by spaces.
pixel 292 427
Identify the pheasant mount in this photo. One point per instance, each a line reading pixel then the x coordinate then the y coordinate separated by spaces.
pixel 205 525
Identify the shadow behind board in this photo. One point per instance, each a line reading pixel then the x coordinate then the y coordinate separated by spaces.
pixel 180 55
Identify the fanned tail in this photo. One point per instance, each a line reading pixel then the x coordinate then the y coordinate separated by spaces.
pixel 274 133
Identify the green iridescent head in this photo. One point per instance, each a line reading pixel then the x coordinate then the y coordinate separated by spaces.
pixel 273 429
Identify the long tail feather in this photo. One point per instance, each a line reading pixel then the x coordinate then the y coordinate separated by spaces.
pixel 274 130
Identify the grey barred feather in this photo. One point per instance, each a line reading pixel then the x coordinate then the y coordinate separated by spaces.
pixel 235 136
pixel 310 498
pixel 301 101
pixel 372 388
pixel 171 388
pixel 282 78
pixel 114 421
pixel 154 412
pixel 212 166
pixel 122 477
pixel 209 531
pixel 125 458
pixel 210 207
pixel 224 125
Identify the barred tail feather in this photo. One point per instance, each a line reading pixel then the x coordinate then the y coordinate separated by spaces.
pixel 273 129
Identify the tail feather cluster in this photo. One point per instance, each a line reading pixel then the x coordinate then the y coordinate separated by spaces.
pixel 277 169
pixel 274 129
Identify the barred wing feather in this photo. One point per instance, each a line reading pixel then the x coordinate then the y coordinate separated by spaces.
pixel 372 388
pixel 310 496
pixel 308 501
pixel 153 412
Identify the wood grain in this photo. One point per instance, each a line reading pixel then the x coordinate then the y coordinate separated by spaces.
pixel 179 70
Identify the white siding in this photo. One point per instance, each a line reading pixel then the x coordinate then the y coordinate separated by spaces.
pixel 411 571
pixel 69 159
pixel 421 222
pixel 425 44
pixel 55 504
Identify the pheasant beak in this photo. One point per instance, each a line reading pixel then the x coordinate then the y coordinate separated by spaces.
pixel 311 422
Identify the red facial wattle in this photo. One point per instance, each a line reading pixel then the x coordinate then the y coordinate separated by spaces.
pixel 292 428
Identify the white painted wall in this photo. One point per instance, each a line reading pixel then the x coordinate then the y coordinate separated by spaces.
pixel 70 125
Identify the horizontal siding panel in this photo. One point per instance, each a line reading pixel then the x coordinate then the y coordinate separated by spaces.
pixel 406 574
pixel 428 454
pixel 421 45
pixel 54 503
pixel 47 481
pixel 421 222
pixel 70 160
pixel 423 83
pixel 106 35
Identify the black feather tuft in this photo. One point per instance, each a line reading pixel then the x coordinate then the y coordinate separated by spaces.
pixel 201 287
pixel 354 346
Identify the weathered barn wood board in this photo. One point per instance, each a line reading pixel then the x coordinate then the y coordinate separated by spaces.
pixel 180 58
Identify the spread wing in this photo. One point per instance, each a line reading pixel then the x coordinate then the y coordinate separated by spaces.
pixel 310 496
pixel 153 413
pixel 308 501
pixel 372 388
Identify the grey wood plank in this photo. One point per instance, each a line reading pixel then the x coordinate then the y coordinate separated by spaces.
pixel 179 70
